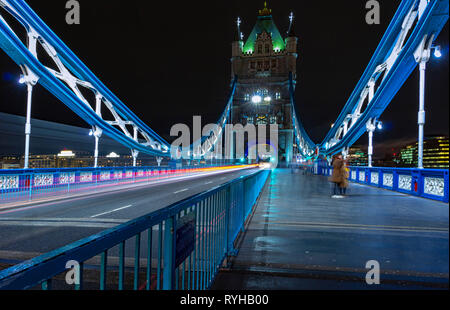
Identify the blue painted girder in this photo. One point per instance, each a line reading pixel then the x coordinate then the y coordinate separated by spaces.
pixel 20 54
pixel 432 21
pixel 302 130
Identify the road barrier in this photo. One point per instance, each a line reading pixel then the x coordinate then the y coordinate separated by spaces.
pixel 427 183
pixel 29 184
pixel 186 244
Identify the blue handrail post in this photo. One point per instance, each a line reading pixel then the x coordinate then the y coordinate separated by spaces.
pixel 158 272
pixel 446 186
pixel 137 252
pixel 30 193
pixel 244 204
pixel 169 253
pixel 104 261
pixel 121 264
pixel 228 242
pixel 79 285
pixel 149 258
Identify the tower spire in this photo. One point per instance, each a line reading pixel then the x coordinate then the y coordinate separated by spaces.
pixel 239 36
pixel 266 11
pixel 290 32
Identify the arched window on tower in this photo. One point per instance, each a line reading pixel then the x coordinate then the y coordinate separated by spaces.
pixel 274 63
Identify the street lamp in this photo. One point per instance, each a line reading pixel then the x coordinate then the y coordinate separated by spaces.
pixel 422 56
pixel 29 78
pixel 256 99
pixel 371 125
pixel 380 125
pixel 96 132
pixel 437 52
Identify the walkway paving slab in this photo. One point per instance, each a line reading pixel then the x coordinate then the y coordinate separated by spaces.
pixel 300 237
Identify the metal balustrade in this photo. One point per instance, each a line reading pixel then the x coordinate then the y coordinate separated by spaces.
pixel 29 184
pixel 186 244
pixel 427 183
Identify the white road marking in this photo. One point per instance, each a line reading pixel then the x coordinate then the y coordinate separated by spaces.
pixel 62 222
pixel 182 190
pixel 23 206
pixel 111 211
pixel 208 182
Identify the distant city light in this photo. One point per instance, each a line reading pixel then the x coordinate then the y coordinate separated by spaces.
pixel 267 99
pixel 380 125
pixel 112 155
pixel 256 99
pixel 66 153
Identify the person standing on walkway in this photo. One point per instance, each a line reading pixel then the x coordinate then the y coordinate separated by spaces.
pixel 345 175
pixel 337 176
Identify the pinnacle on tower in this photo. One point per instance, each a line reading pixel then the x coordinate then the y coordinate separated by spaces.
pixel 265 11
pixel 290 32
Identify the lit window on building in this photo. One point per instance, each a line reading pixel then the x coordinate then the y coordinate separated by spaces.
pixel 277 95
pixel 247 97
pixel 273 119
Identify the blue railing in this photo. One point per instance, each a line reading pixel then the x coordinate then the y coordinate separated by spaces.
pixel 306 168
pixel 427 183
pixel 186 244
pixel 29 184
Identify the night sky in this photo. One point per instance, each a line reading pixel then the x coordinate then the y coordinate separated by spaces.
pixel 170 61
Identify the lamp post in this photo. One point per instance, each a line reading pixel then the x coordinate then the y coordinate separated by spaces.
pixel 96 132
pixel 30 79
pixel 422 56
pixel 371 126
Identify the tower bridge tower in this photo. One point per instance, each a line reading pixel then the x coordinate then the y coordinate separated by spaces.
pixel 262 64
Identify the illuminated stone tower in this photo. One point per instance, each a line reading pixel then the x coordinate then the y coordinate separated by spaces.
pixel 262 64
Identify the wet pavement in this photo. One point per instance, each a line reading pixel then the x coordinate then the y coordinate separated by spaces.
pixel 301 238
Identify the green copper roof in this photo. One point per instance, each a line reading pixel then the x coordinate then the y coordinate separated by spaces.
pixel 264 23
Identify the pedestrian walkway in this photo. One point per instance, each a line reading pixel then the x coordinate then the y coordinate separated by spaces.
pixel 301 238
